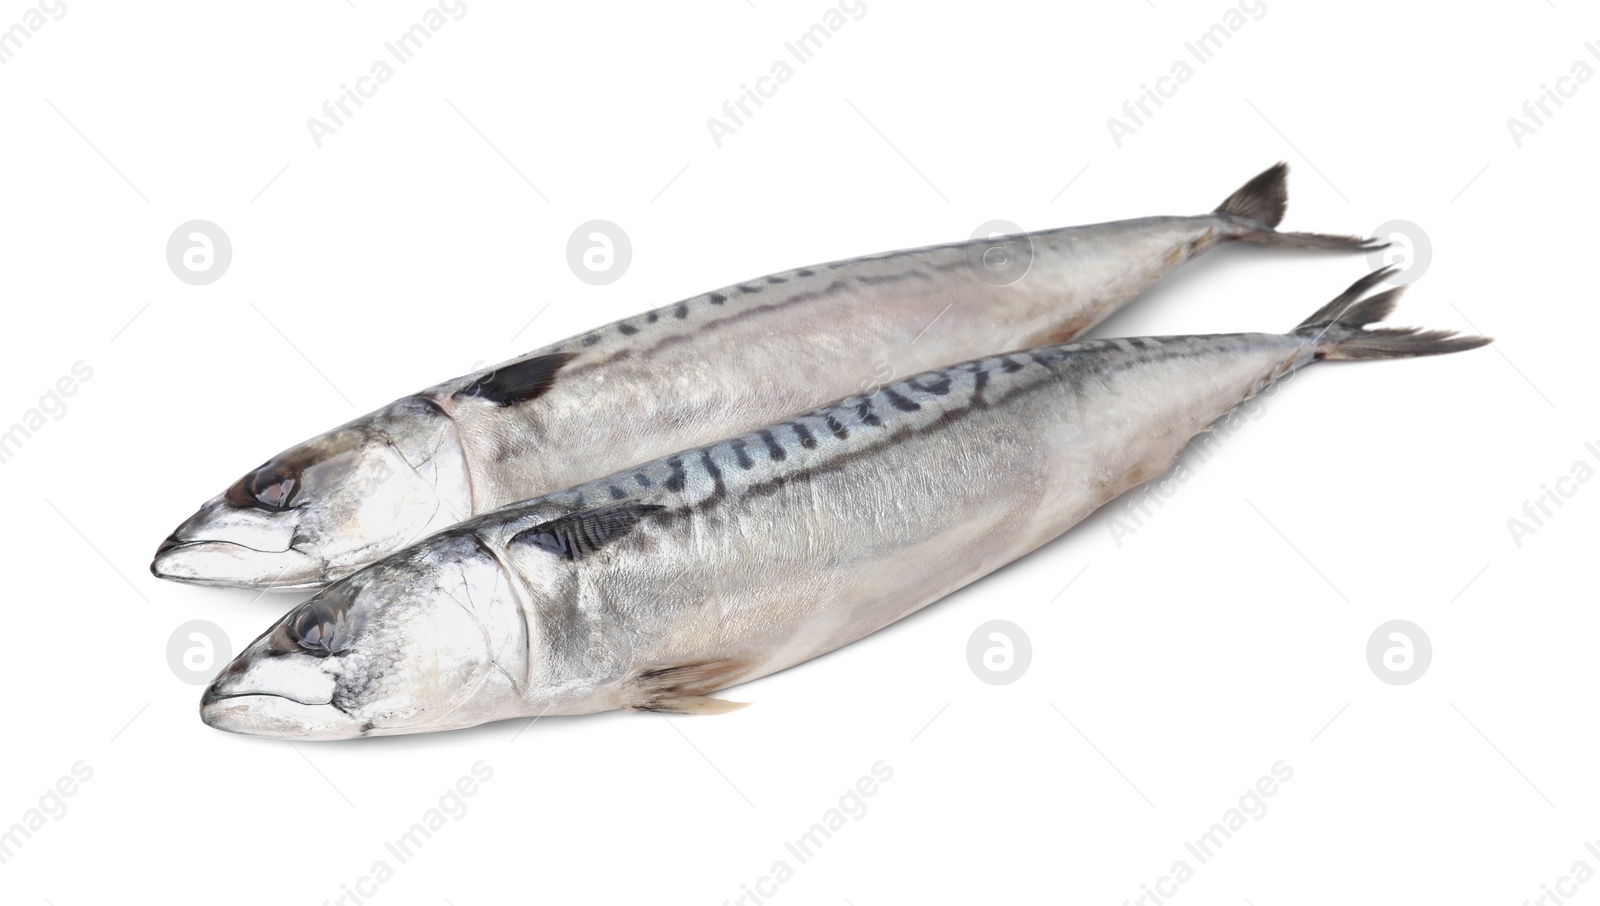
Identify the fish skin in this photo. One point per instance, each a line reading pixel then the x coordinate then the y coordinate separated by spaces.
pixel 708 366
pixel 737 559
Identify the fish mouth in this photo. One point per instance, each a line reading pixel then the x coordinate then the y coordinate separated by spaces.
pixel 229 564
pixel 274 716
pixel 171 542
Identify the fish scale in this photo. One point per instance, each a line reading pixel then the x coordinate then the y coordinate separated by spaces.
pixel 805 442
pixel 805 285
pixel 858 423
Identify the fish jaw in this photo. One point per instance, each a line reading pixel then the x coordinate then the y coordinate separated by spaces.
pixel 226 547
pixel 221 564
pixel 432 638
pixel 319 511
pixel 278 717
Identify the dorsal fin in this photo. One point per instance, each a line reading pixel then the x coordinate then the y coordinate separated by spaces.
pixel 520 381
pixel 579 534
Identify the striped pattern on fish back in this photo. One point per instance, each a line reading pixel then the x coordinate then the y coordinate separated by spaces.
pixel 764 295
pixel 775 292
pixel 761 461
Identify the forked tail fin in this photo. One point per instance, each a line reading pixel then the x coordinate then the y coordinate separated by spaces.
pixel 1339 328
pixel 1258 206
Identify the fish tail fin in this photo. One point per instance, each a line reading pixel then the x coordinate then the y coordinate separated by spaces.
pixel 1257 209
pixel 1339 329
pixel 1262 199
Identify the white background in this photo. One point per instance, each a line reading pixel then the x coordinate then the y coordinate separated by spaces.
pixel 1224 635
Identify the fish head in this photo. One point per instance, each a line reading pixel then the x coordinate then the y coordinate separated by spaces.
pixel 428 639
pixel 321 509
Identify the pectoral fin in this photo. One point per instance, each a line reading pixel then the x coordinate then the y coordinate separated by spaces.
pixel 520 381
pixel 579 534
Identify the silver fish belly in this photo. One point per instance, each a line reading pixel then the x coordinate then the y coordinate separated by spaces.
pixel 658 584
pixel 704 368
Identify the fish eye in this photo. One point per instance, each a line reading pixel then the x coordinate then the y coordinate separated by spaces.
pixel 320 628
pixel 277 494
pixel 270 487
